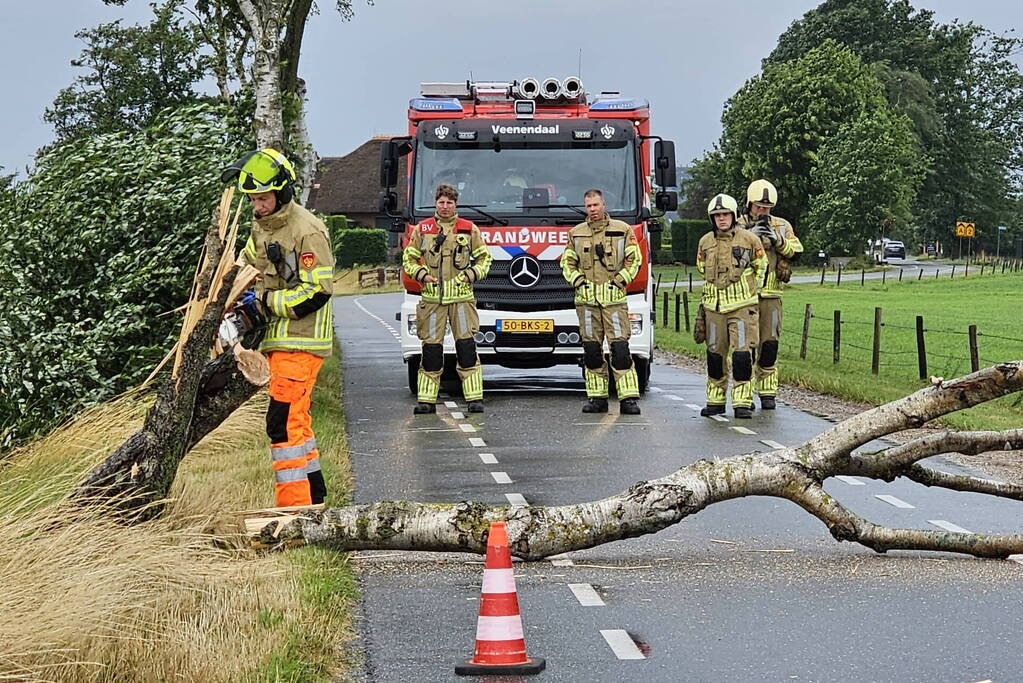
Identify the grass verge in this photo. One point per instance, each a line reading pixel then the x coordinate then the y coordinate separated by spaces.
pixel 182 597
pixel 948 308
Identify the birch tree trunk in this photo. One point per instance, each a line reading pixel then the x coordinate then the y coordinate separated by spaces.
pixel 796 474
pixel 303 145
pixel 265 20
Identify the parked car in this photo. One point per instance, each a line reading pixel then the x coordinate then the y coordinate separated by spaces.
pixel 894 249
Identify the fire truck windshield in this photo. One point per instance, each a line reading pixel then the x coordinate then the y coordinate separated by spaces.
pixel 538 178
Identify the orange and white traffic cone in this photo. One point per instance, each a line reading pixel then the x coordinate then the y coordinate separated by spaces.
pixel 500 643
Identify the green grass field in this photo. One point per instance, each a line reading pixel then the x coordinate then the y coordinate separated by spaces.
pixel 948 307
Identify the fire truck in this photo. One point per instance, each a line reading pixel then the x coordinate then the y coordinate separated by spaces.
pixel 522 154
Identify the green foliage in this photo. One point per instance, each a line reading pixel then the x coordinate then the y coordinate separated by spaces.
pixel 685 237
pixel 360 246
pixel 104 238
pixel 132 73
pixel 707 177
pixel 662 257
pixel 335 225
pixel 868 174
pixel 775 125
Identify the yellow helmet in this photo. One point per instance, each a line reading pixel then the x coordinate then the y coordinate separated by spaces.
pixel 262 170
pixel 722 203
pixel 762 193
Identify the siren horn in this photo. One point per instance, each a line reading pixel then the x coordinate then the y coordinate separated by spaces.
pixel 572 87
pixel 551 88
pixel 529 88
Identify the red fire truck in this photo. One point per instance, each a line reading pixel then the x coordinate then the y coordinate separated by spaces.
pixel 521 155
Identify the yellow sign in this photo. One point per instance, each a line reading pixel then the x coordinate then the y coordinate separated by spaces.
pixel 964 229
pixel 517 325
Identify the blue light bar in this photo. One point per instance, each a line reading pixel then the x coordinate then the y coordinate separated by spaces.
pixel 619 104
pixel 434 104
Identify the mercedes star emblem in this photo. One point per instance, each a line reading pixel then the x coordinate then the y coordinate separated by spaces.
pixel 524 271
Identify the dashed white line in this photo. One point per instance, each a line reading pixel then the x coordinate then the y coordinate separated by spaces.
pixel 501 477
pixel 586 595
pixel 621 644
pixel 742 430
pixel 450 404
pixel 488 458
pixel 477 442
pixel 720 418
pixel 772 444
pixel 892 500
pixel 565 562
pixel 673 397
pixel 693 406
pixel 852 481
pixel 457 415
pixel 516 500
pixel 466 427
pixel 949 526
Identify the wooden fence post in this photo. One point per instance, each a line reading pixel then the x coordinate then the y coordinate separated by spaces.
pixel 921 351
pixel 875 356
pixel 884 275
pixel 678 310
pixel 690 282
pixel 974 350
pixel 823 270
pixel 664 310
pixel 674 284
pixel 953 275
pixel 900 273
pixel 685 305
pixel 807 314
pixel 863 276
pixel 921 275
pixel 966 273
pixel 836 337
pixel 838 281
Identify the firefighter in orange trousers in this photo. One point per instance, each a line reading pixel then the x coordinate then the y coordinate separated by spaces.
pixel 291 249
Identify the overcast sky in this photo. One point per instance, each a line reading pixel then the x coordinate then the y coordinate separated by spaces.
pixel 685 57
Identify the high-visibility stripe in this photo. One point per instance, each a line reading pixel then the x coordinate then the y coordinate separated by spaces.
pixel 498 581
pixel 428 388
pixel 742 394
pixel 499 628
pixel 628 384
pixel 289 452
pixel 472 386
pixel 715 394
pixel 767 383
pixel 289 475
pixel 596 385
pixel 312 465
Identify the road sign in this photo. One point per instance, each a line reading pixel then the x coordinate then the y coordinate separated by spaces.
pixel 1003 227
pixel 964 229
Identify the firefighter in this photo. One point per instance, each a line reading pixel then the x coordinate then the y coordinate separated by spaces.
pixel 601 259
pixel 781 246
pixel 733 263
pixel 447 255
pixel 291 249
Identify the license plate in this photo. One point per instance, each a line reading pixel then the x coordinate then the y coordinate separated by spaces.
pixel 518 325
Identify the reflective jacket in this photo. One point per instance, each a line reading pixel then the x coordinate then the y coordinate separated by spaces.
pixel 770 286
pixel 601 259
pixel 297 289
pixel 452 251
pixel 733 264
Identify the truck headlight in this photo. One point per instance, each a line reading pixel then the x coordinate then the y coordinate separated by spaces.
pixel 412 324
pixel 636 323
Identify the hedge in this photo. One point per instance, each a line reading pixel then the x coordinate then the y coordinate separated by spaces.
pixel 685 236
pixel 663 257
pixel 360 245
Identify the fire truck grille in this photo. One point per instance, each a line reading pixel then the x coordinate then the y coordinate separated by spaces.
pixel 496 290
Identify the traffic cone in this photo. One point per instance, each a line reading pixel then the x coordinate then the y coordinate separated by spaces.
pixel 500 643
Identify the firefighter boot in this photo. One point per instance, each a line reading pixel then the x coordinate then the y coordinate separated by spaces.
pixel 595 405
pixel 629 406
pixel 424 408
pixel 475 406
pixel 710 410
pixel 767 403
pixel 741 413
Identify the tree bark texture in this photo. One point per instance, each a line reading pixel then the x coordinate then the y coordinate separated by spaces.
pixel 796 474
pixel 264 19
pixel 140 472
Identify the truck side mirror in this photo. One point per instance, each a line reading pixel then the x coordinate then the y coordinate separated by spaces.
pixel 664 164
pixel 388 163
pixel 666 201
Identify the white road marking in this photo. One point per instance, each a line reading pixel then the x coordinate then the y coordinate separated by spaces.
pixel 656 389
pixel 693 406
pixel 516 500
pixel 948 526
pixel 380 320
pixel 719 418
pixel 477 442
pixel 742 430
pixel 621 644
pixel 892 500
pixel 673 397
pixel 457 415
pixel 467 428
pixel 565 562
pixel 586 595
pixel 852 481
pixel 488 458
pixel 501 477
pixel 450 404
pixel 771 444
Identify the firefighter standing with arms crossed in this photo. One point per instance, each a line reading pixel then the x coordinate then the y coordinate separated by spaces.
pixel 291 249
pixel 732 262
pixel 601 259
pixel 781 246
pixel 447 254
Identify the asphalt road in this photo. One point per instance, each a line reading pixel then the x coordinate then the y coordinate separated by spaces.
pixel 748 590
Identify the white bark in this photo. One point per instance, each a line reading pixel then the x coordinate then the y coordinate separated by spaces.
pixel 302 145
pixel 264 19
pixel 796 474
